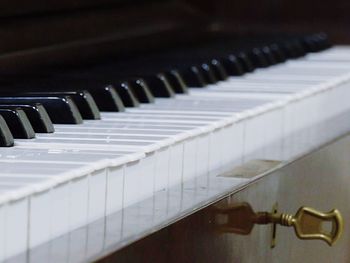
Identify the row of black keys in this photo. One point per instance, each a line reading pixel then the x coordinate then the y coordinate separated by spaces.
pixel 26 107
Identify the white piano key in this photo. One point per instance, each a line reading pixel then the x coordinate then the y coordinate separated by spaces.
pixel 114 224
pixel 63 143
pixel 95 238
pixel 143 109
pixel 48 215
pixel 189 156
pixel 161 175
pixel 124 126
pixel 215 154
pixel 16 227
pixel 78 205
pixel 227 92
pixel 115 189
pixel 176 164
pixel 233 143
pixel 263 88
pixel 59 204
pixel 106 136
pixel 138 180
pixel 40 218
pixel 97 195
pixel 101 130
pixel 14 219
pixel 77 245
pixel 202 155
pixel 140 114
pixel 2 231
pixel 288 77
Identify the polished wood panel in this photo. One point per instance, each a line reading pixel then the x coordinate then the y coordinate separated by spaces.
pixel 319 180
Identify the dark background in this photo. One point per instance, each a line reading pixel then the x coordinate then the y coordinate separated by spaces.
pixel 43 32
pixel 332 16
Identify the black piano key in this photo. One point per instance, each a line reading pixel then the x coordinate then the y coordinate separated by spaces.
pixel 315 42
pixel 141 90
pixel 100 96
pixel 176 81
pixel 301 51
pixel 62 110
pixel 293 49
pixel 269 55
pixel 192 77
pixel 288 50
pixel 319 44
pixel 6 138
pixel 37 116
pixel 18 123
pixel 218 70
pixel 232 65
pixel 82 99
pixel 278 54
pixel 245 61
pixel 107 99
pixel 323 41
pixel 126 94
pixel 85 103
pixel 159 85
pixel 309 43
pixel 208 73
pixel 258 58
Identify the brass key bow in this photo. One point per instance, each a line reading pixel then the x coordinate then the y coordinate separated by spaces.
pixel 308 223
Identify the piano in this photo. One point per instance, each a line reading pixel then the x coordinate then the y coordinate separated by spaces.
pixel 163 131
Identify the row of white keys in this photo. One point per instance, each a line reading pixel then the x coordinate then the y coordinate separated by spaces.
pixel 108 138
pixel 54 202
pixel 134 181
pixel 36 238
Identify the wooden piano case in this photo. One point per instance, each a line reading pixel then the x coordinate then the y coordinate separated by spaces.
pixel 319 179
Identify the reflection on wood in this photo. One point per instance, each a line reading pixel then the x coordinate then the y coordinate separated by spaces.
pixel 319 180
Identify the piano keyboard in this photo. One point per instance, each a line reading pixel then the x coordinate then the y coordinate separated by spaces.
pixel 55 182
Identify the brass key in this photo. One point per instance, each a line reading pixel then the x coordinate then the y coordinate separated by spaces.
pixel 307 222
